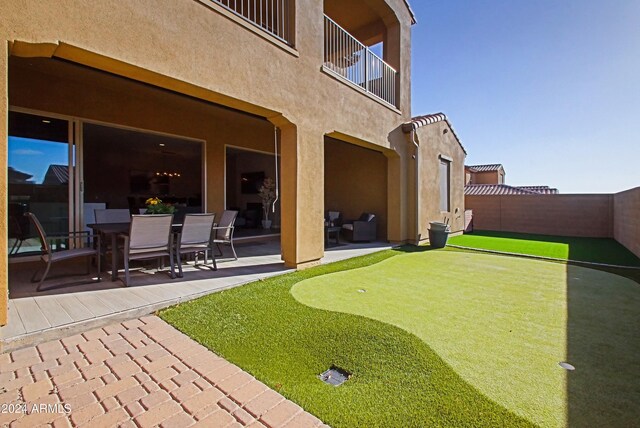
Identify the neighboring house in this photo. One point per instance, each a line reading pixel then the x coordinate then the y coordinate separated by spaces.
pixel 18 177
pixel 161 99
pixel 484 180
pixel 56 175
pixel 484 174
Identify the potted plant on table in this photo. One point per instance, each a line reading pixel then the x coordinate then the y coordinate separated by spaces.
pixel 156 206
pixel 267 193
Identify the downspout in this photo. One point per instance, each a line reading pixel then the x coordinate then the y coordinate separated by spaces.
pixel 275 143
pixel 416 157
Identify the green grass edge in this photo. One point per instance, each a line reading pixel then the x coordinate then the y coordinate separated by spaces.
pixel 502 416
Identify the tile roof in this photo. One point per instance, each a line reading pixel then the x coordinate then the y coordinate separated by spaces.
pixel 494 189
pixel 484 168
pixel 545 190
pixel 504 189
pixel 60 172
pixel 413 15
pixel 16 176
pixel 428 119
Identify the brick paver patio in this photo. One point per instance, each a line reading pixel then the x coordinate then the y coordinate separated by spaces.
pixel 138 373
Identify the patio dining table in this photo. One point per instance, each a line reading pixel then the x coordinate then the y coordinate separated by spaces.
pixel 113 230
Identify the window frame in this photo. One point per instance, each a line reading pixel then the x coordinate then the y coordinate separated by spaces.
pixel 445 200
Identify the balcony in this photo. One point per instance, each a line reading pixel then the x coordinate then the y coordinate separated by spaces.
pixel 349 59
pixel 272 16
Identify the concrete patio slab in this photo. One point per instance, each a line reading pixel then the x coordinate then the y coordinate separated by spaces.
pixel 35 317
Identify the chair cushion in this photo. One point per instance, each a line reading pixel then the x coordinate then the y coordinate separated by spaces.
pixel 348 226
pixel 194 247
pixel 148 255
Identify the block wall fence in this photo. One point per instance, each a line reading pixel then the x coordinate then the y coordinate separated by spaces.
pixel 597 216
pixel 626 224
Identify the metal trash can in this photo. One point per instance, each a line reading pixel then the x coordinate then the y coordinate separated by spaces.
pixel 438 234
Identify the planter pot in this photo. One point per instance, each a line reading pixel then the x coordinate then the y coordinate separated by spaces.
pixel 266 224
pixel 438 234
pixel 437 226
pixel 438 238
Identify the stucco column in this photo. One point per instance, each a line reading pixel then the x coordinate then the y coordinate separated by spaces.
pixel 215 171
pixel 400 189
pixel 4 108
pixel 301 194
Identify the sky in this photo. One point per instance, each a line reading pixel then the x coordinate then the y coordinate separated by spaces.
pixel 549 89
pixel 34 156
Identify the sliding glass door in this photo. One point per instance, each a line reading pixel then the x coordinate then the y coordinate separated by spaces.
pixel 63 169
pixel 41 177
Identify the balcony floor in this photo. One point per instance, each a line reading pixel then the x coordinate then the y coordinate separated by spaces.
pixel 38 316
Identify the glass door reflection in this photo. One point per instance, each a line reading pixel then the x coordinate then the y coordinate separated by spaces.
pixel 39 158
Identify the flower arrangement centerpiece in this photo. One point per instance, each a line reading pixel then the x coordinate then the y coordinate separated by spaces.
pixel 267 193
pixel 156 206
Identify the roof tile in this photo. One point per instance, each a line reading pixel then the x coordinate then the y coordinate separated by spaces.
pixel 428 119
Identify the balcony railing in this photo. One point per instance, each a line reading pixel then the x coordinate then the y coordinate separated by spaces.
pixel 270 15
pixel 352 60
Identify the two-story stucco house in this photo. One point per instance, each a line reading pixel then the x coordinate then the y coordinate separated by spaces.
pixel 115 101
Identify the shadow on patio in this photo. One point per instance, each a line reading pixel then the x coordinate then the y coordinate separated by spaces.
pixel 36 316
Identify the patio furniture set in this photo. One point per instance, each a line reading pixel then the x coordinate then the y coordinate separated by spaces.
pixel 138 237
pixel 361 230
pixel 156 236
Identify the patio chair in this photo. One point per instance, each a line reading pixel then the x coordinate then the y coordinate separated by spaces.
pixel 113 216
pixel 50 257
pixel 363 229
pixel 149 237
pixel 223 231
pixel 17 234
pixel 334 217
pixel 103 216
pixel 194 238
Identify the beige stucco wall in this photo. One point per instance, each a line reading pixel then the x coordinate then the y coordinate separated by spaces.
pixel 434 142
pixel 4 274
pixel 193 49
pixel 626 220
pixel 188 47
pixel 355 182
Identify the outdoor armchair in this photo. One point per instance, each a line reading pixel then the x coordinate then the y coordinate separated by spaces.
pixel 149 237
pixel 195 237
pixel 223 231
pixel 363 229
pixel 75 249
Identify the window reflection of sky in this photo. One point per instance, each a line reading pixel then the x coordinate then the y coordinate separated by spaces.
pixel 34 156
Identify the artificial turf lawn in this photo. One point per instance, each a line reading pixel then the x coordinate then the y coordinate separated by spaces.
pixel 598 250
pixel 504 323
pixel 397 379
pixel 485 323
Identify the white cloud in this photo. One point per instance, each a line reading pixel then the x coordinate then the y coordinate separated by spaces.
pixel 27 152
